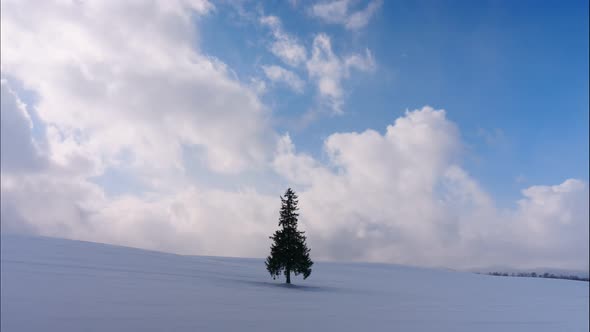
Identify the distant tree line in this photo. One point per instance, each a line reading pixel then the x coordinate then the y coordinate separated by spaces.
pixel 537 275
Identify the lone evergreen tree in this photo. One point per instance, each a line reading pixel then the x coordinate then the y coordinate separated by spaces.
pixel 289 253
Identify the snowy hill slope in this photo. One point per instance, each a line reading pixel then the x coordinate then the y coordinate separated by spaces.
pixel 62 285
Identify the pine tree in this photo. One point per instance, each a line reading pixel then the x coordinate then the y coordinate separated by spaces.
pixel 289 253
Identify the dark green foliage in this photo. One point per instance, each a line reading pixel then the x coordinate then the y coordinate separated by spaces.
pixel 289 253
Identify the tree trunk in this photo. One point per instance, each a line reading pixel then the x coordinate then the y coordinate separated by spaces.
pixel 288 274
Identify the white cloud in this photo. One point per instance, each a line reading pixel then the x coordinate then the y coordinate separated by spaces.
pixel 360 19
pixel 122 85
pixel 54 199
pixel 331 11
pixel 258 85
pixel 363 63
pixel 338 12
pixel 549 209
pixel 329 70
pixel 280 74
pixel 401 196
pixel 284 46
pixel 190 221
pixel 106 92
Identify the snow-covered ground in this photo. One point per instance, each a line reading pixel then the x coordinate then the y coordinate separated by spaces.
pixel 61 285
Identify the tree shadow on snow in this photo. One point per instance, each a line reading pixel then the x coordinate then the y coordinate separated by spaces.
pixel 303 288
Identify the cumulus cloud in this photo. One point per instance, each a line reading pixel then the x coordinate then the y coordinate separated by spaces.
pixel 328 70
pixel 282 75
pixel 549 210
pixel 338 12
pixel 106 93
pixel 285 47
pixel 402 196
pixel 122 85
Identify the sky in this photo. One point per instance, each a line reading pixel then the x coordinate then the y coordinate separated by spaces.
pixel 432 133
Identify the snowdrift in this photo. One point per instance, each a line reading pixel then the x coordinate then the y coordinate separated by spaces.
pixel 62 285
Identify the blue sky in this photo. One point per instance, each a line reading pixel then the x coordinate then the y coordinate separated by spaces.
pixel 175 125
pixel 512 75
